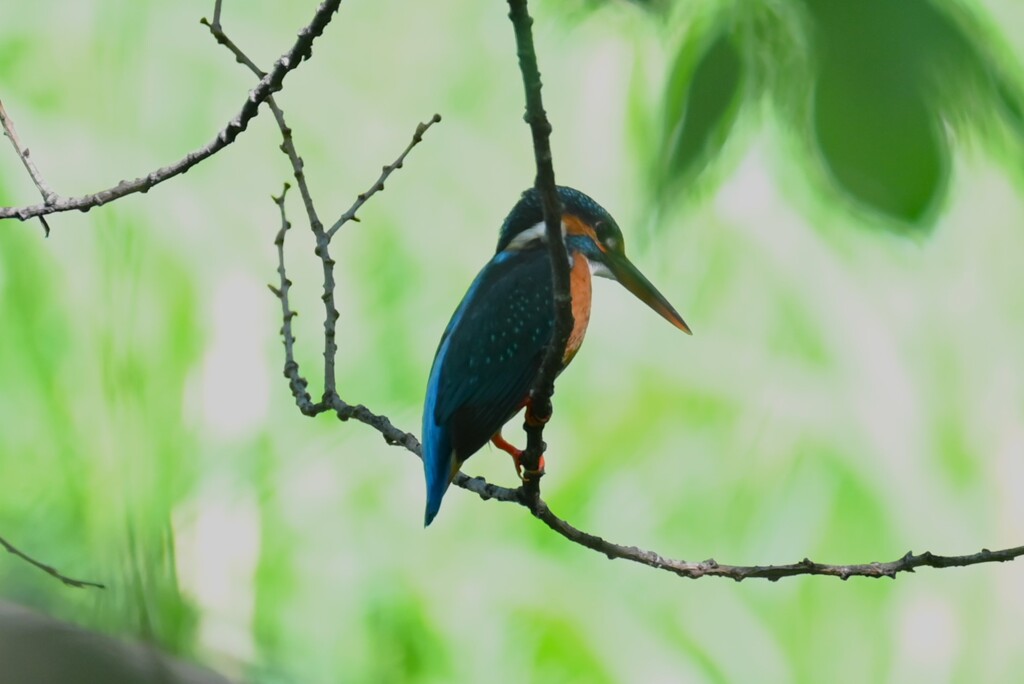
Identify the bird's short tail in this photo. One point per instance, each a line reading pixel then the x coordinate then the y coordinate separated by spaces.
pixel 439 468
pixel 434 496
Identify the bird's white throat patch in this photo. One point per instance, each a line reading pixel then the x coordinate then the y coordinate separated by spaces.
pixel 599 269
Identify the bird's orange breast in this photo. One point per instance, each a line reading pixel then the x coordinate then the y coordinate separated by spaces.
pixel 580 289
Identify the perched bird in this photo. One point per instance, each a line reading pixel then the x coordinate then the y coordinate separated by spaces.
pixel 494 344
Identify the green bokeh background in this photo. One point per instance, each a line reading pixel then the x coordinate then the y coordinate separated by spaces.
pixel 850 393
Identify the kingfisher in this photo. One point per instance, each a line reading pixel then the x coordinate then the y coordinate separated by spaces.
pixel 493 347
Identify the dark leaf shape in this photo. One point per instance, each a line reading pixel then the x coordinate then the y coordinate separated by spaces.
pixel 890 74
pixel 702 101
pixel 882 146
pixel 876 87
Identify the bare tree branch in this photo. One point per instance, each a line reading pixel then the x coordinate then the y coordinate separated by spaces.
pixel 711 568
pixel 49 569
pixel 268 85
pixel 222 38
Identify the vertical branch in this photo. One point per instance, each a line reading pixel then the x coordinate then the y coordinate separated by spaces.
pixel 296 382
pixel 540 127
pixel 323 245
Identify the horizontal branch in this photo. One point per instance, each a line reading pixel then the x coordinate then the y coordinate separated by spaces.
pixel 711 568
pixel 268 85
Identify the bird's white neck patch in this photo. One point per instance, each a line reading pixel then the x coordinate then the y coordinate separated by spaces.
pixel 537 231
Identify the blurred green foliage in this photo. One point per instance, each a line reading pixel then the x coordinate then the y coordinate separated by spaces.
pixel 703 98
pixel 875 90
pixel 847 396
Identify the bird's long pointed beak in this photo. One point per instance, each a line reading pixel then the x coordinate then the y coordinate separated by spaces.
pixel 634 281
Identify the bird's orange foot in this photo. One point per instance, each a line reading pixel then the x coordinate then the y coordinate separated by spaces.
pixel 517 458
pixel 516 454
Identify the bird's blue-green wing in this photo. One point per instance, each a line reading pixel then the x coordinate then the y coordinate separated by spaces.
pixel 486 362
pixel 496 348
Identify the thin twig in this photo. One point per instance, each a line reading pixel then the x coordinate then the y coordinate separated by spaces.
pixel 323 241
pixel 268 85
pixel 221 37
pixel 544 384
pixel 49 569
pixel 350 215
pixel 49 196
pixel 296 382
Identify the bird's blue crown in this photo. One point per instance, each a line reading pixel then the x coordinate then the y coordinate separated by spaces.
pixel 528 212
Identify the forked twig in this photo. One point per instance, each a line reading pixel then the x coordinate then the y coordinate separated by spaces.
pixel 322 237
